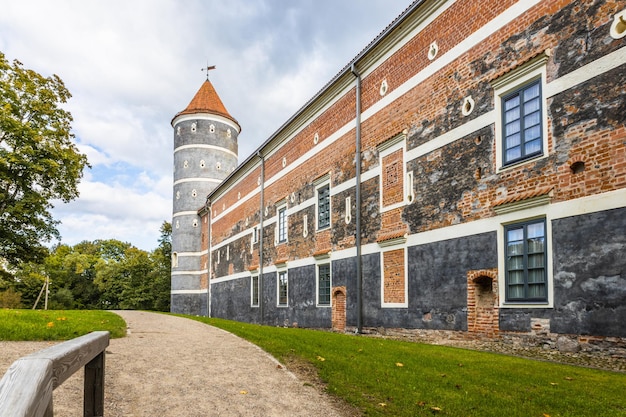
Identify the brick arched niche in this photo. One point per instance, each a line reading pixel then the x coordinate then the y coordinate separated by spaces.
pixel 339 309
pixel 482 302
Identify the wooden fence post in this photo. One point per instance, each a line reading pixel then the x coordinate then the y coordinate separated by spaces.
pixel 93 403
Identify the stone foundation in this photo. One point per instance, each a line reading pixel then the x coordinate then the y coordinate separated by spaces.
pixel 539 338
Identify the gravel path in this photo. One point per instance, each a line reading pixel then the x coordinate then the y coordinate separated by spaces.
pixel 175 367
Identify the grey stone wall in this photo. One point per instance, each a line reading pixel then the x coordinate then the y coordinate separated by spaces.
pixel 589 266
pixel 194 304
pixel 590 274
pixel 231 300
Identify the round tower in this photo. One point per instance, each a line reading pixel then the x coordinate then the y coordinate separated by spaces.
pixel 205 152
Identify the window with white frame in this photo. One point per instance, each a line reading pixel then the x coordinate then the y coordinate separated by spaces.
pixel 281 229
pixel 521 121
pixel 254 290
pixel 526 261
pixel 323 284
pixel 323 206
pixel 282 289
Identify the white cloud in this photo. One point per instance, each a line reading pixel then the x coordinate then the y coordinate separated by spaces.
pixel 113 211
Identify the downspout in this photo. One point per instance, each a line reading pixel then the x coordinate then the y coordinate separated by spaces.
pixel 261 209
pixel 359 272
pixel 208 270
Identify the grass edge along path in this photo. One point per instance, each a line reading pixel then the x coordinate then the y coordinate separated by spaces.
pixel 52 325
pixel 398 378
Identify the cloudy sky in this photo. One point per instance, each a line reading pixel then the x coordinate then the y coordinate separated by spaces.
pixel 131 65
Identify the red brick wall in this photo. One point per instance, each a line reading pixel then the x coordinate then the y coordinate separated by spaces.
pixel 482 302
pixel 394 276
pixel 393 178
pixel 339 309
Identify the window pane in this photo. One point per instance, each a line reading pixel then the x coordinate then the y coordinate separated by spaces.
pixel 513 154
pixel 536 276
pixel 537 291
pixel 536 261
pixel 531 133
pixel 516 291
pixel 515 248
pixel 511 129
pixel 535 230
pixel 516 277
pixel 531 92
pixel 515 235
pixel 532 119
pixel 535 245
pixel 515 263
pixel 511 103
pixel 533 147
pixel 532 106
pixel 512 115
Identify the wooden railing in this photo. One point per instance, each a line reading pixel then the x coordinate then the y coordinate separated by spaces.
pixel 26 388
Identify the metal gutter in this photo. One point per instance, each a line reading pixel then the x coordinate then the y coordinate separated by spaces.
pixel 357 158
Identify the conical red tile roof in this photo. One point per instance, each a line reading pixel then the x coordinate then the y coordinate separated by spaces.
pixel 206 100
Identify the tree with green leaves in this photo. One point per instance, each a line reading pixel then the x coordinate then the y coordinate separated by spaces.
pixel 160 276
pixel 38 160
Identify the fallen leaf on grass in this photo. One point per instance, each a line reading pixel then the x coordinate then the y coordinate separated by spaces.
pixel 421 403
pixel 400 365
pixel 568 378
pixel 553 383
pixel 383 404
pixel 435 409
pixel 319 358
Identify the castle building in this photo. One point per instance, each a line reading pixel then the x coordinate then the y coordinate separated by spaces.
pixel 205 152
pixel 465 172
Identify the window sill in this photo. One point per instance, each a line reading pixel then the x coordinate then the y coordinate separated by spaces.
pixel 519 163
pixel 527 304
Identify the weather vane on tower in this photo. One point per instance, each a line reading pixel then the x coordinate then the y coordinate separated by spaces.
pixel 207 69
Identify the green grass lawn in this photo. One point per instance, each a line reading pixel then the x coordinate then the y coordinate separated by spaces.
pixel 57 324
pixel 395 378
